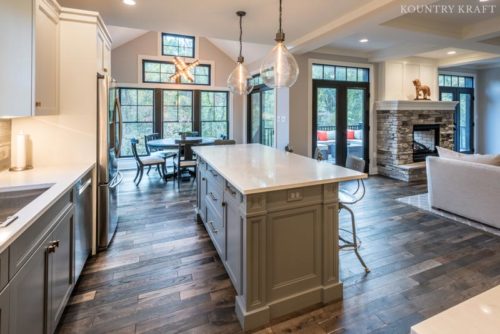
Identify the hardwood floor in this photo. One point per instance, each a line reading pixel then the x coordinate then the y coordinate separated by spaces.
pixel 162 274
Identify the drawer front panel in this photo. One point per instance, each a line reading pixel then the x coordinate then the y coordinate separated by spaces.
pixel 214 196
pixel 27 243
pixel 215 177
pixel 216 230
pixel 4 268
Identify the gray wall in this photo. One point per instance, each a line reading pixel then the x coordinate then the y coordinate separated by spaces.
pixel 125 67
pixel 488 102
pixel 5 135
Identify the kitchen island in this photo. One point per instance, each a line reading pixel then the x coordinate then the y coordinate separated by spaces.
pixel 273 218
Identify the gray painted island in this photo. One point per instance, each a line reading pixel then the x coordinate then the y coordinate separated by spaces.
pixel 273 218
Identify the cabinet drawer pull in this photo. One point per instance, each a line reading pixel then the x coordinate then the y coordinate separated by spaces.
pixel 233 192
pixel 214 174
pixel 38 104
pixel 211 223
pixel 213 197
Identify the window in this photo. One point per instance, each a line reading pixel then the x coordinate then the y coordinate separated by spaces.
pixel 339 73
pixel 256 80
pixel 177 112
pixel 138 117
pixel 214 114
pixel 455 81
pixel 177 45
pixel 160 72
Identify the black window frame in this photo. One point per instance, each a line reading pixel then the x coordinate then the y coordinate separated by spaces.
pixel 458 77
pixel 200 105
pixel 144 61
pixel 193 38
pixel 259 88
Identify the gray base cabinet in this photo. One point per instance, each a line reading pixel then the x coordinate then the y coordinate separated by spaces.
pixel 42 271
pixel 279 247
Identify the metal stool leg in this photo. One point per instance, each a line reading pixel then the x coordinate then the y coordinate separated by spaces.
pixel 354 243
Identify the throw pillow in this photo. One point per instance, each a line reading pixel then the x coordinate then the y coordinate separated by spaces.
pixel 322 135
pixel 350 134
pixel 487 159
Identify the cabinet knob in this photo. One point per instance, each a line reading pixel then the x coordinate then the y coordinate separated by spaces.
pixel 105 70
pixel 51 249
pixel 38 104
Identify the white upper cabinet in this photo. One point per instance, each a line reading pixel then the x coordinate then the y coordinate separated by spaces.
pixel 103 53
pixel 46 58
pixel 29 58
pixel 16 75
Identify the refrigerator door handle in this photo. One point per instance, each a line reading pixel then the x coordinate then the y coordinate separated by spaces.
pixel 118 109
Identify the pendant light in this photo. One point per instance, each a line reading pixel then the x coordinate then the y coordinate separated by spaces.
pixel 239 80
pixel 279 68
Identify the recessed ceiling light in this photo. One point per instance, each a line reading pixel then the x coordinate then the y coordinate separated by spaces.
pixel 363 40
pixel 129 2
pixel 452 52
pixel 484 0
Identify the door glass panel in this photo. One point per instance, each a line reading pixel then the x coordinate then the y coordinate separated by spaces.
pixel 327 122
pixel 464 123
pixel 355 121
pixel 268 116
pixel 255 118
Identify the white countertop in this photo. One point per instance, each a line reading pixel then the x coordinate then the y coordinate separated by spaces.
pixel 63 178
pixel 480 314
pixel 255 168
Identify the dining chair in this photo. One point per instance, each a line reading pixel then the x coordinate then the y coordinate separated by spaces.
pixel 224 142
pixel 185 158
pixel 146 161
pixel 165 154
pixel 349 198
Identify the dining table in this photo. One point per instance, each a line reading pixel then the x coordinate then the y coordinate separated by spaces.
pixel 170 143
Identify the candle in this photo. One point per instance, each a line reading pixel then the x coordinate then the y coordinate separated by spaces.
pixel 21 150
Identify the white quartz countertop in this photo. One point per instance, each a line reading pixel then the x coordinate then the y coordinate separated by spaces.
pixel 480 314
pixel 255 168
pixel 62 178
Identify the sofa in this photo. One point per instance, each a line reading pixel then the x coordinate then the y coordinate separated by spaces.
pixel 326 141
pixel 468 189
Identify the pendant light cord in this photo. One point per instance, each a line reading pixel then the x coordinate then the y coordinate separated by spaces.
pixel 281 14
pixel 241 35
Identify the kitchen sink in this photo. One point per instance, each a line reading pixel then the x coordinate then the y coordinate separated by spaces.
pixel 13 199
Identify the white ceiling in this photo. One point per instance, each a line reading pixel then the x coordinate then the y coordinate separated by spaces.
pixel 122 35
pixel 329 26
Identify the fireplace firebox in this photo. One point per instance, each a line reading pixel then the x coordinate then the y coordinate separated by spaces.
pixel 425 140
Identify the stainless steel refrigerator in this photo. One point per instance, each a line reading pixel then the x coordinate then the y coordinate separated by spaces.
pixel 109 141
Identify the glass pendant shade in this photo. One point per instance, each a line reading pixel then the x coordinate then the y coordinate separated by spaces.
pixel 279 68
pixel 239 80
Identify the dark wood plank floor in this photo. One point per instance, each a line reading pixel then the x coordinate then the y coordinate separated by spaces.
pixel 162 274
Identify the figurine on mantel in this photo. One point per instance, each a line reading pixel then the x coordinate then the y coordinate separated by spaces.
pixel 425 90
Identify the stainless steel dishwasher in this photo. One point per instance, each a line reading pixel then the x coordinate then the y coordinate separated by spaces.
pixel 83 221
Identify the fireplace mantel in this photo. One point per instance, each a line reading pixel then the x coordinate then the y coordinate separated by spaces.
pixel 415 105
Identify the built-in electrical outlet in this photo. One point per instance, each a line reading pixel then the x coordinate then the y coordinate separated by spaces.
pixel 294 195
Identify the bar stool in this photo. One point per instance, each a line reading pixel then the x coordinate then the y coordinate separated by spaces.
pixel 346 199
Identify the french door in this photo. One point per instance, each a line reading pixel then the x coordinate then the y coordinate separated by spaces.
pixel 261 116
pixel 464 116
pixel 341 120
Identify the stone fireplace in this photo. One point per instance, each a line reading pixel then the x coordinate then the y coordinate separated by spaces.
pixel 426 139
pixel 409 131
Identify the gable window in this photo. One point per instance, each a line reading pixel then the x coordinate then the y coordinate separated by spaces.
pixel 177 45
pixel 339 73
pixel 154 71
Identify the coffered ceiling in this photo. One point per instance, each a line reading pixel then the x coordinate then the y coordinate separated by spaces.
pixel 329 26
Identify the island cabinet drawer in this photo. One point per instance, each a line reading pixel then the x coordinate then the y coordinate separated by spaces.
pixel 216 230
pixel 202 165
pixel 27 243
pixel 215 177
pixel 214 196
